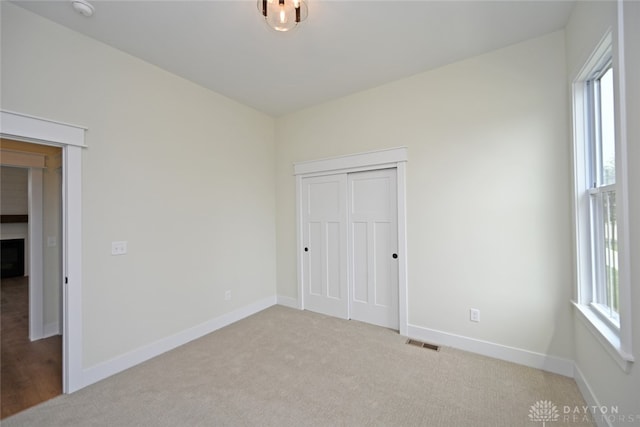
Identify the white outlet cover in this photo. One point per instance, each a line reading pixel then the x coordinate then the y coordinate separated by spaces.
pixel 118 248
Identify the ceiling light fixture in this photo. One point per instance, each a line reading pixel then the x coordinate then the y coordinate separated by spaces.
pixel 283 15
pixel 83 7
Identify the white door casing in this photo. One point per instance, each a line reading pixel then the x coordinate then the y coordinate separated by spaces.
pixel 36 262
pixel 373 246
pixel 394 158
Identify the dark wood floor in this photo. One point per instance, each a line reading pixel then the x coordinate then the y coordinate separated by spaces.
pixel 31 372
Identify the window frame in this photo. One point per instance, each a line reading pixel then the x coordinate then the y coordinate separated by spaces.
pixel 613 333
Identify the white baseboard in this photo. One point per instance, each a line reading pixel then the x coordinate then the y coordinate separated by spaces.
pixel 51 329
pixel 118 364
pixel 288 302
pixel 589 397
pixel 553 364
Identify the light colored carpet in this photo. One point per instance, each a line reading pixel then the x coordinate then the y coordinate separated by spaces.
pixel 284 367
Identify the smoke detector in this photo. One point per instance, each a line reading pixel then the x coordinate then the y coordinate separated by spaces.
pixel 83 7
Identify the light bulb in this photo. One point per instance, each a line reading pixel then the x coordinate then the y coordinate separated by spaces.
pixel 283 15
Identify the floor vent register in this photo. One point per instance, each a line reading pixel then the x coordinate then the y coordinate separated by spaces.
pixel 423 344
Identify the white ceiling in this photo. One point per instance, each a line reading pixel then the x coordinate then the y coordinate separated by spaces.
pixel 342 48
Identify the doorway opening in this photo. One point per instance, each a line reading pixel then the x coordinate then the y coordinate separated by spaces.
pixel 31 286
pixel 71 139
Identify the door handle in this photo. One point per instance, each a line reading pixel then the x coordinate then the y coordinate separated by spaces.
pixel 306 249
pixel 394 256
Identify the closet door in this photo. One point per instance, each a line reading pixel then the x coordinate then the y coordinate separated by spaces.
pixel 373 247
pixel 324 219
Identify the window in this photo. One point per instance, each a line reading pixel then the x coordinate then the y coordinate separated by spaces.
pixel 603 289
pixel 601 169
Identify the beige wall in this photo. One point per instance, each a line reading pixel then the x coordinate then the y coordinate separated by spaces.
pixel 611 386
pixel 14 192
pixel 183 174
pixel 487 189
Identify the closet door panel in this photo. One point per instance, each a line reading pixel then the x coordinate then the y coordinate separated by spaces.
pixel 325 241
pixel 373 242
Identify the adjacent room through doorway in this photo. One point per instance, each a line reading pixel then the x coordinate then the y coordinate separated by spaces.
pixel 31 286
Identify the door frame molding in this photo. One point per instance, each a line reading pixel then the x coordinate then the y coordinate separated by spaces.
pixel 71 139
pixel 36 254
pixel 372 160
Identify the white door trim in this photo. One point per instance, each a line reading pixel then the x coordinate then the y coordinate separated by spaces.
pixel 23 127
pixel 372 160
pixel 36 262
pixel 368 161
pixel 71 138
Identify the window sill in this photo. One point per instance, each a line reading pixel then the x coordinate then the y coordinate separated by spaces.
pixel 608 337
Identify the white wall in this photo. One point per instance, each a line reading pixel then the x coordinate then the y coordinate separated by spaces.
pixel 488 190
pixel 609 385
pixel 183 174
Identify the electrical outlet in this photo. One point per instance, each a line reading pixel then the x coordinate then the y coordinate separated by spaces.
pixel 474 315
pixel 118 248
pixel 227 296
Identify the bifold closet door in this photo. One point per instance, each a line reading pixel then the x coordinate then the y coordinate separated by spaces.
pixel 324 223
pixel 373 247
